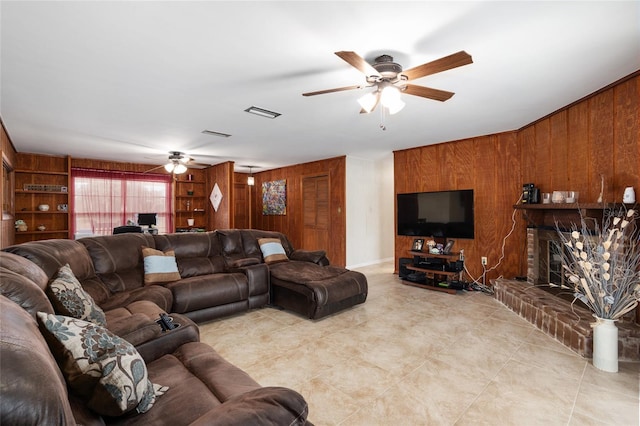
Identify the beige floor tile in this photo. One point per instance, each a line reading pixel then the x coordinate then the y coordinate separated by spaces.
pixel 410 356
pixel 607 407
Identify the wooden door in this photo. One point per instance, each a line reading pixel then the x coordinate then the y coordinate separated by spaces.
pixel 315 201
pixel 242 206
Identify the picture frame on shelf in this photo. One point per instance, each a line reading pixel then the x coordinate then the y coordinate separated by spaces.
pixel 418 243
pixel 447 248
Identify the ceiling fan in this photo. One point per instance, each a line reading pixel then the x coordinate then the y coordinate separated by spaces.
pixel 389 80
pixel 178 163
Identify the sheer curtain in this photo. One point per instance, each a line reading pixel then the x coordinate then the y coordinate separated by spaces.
pixel 106 199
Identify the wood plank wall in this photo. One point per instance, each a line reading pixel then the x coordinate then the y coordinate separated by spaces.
pixel 222 174
pixel 8 155
pixel 568 150
pixel 291 224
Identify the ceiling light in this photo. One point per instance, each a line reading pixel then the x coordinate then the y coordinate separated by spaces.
pixel 390 98
pixel 214 133
pixel 368 101
pixel 250 179
pixel 179 169
pixel 174 166
pixel 262 112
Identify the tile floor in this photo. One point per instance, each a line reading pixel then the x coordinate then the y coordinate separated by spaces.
pixel 410 356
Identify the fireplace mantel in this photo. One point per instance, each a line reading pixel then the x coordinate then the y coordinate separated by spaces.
pixel 547 215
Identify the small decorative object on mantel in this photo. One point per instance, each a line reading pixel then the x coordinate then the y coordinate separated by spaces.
pixel 629 196
pixel 43 207
pixel 602 264
pixel 21 225
pixel 42 228
pixel 417 244
pixel 600 197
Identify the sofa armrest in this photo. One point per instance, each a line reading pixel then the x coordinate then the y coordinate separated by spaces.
pixel 314 256
pixel 237 264
pixel 267 405
pixel 169 341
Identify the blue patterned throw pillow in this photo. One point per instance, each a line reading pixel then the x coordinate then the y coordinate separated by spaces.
pixel 100 367
pixel 272 250
pixel 159 266
pixel 70 299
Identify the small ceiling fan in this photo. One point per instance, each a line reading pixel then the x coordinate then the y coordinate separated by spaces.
pixel 178 163
pixel 389 80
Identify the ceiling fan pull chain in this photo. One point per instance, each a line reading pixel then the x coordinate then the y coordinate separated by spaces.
pixel 382 126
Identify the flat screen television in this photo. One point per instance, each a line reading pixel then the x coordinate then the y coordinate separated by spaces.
pixel 442 214
pixel 147 219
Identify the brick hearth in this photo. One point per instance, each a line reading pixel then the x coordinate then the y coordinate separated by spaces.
pixel 556 317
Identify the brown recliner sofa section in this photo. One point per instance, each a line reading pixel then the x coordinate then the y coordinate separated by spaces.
pixel 306 283
pixel 222 272
pixel 203 387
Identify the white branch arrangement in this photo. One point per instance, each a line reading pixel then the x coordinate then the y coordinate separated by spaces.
pixel 603 264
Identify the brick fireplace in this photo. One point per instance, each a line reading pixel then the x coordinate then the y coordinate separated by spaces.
pixel 553 313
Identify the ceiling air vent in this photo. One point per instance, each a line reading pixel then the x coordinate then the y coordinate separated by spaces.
pixel 212 133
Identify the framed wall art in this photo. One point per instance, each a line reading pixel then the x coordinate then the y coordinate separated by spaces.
pixel 274 197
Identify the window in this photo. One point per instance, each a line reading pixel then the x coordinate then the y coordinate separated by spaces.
pixel 106 199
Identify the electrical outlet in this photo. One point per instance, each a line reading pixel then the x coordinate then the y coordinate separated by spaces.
pixel 483 260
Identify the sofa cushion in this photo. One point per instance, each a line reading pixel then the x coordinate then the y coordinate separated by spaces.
pixel 197 253
pixel 24 267
pixel 24 292
pixel 195 293
pixel 272 250
pixel 69 298
pixel 99 366
pixel 159 266
pixel 201 381
pixel 33 389
pixel 117 259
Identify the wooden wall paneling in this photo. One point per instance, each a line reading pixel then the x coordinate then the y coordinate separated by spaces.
pixel 508 188
pixel 626 137
pixel 542 160
pixel 88 163
pixel 485 207
pixel 601 145
pixel 427 176
pixel 559 153
pixel 8 156
pixel 598 134
pixel 222 174
pixel 579 154
pixel 528 161
pixel 291 224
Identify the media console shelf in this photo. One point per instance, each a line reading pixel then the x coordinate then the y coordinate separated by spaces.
pixel 434 274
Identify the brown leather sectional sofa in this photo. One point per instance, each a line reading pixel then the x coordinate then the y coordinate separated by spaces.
pixel 221 273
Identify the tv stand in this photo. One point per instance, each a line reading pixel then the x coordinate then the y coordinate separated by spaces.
pixel 435 267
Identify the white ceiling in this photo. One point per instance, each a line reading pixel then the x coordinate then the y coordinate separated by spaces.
pixel 130 81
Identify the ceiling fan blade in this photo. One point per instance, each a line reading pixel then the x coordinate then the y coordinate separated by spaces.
pixel 446 63
pixel 428 92
pixel 358 62
pixel 155 168
pixel 339 89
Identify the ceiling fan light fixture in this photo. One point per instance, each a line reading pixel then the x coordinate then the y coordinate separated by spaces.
pixel 176 167
pixel 368 101
pixel 179 169
pixel 390 98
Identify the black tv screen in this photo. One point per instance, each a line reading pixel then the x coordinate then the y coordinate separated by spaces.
pixel 442 214
pixel 147 219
